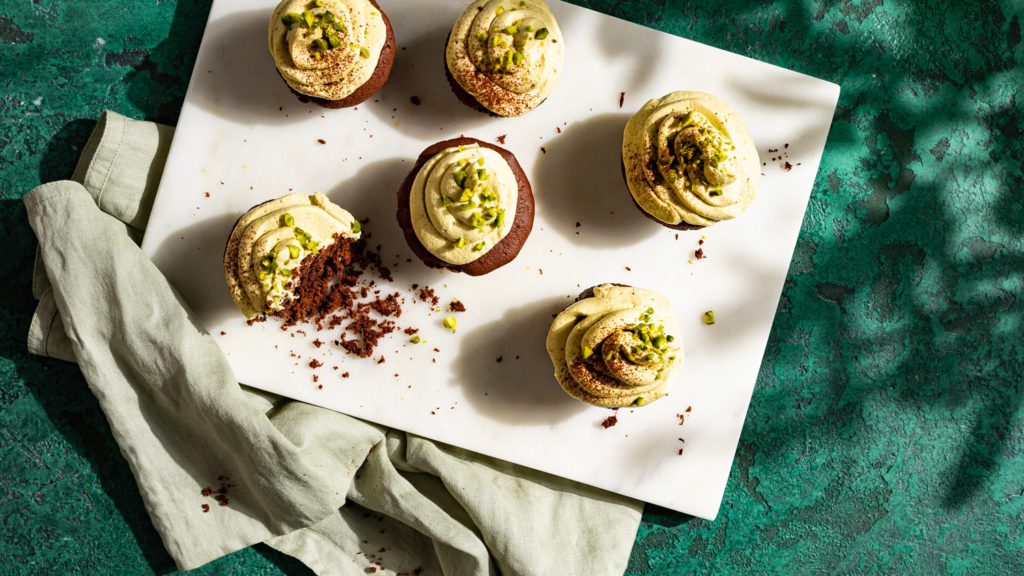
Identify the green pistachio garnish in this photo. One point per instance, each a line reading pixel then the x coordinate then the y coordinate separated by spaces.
pixel 461 243
pixel 709 317
pixel 499 11
pixel 587 352
pixel 364 52
pixel 510 30
pixel 517 58
pixel 293 251
pixel 541 34
pixel 460 177
pixel 356 227
pixel 499 220
pixel 316 4
pixel 287 220
pixel 450 323
pixel 262 275
pixel 714 193
pixel 479 246
pixel 309 18
pixel 290 19
pixel 415 340
pixel 286 272
pixel 481 36
pixel 640 401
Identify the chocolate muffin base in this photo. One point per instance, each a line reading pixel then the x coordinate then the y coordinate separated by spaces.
pixel 589 292
pixel 681 226
pixel 504 251
pixel 374 83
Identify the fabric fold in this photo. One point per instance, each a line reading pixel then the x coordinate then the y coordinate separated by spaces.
pixel 221 467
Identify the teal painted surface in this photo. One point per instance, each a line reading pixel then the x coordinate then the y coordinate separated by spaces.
pixel 886 433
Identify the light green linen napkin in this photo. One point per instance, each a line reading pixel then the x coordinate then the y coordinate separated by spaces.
pixel 342 495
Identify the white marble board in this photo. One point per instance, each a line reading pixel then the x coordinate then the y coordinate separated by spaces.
pixel 244 138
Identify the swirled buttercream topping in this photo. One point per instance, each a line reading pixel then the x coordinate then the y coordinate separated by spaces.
pixel 327 48
pixel 463 202
pixel 616 348
pixel 507 54
pixel 689 159
pixel 270 241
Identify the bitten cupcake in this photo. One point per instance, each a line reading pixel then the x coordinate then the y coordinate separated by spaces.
pixel 615 346
pixel 504 56
pixel 336 53
pixel 689 161
pixel 466 206
pixel 269 243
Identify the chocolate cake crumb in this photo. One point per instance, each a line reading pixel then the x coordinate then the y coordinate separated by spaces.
pixel 316 379
pixel 428 295
pixel 411 331
pixel 415 99
pixel 314 363
pixel 501 138
pixel 622 99
pixel 318 343
pixel 223 333
pixel 787 166
pixel 699 254
pixel 689 409
pixel 331 291
pixel 206 508
pixel 500 358
pixel 610 421
pixel 206 194
pixel 457 306
pixel 682 418
pixel 345 374
pixel 321 140
pixel 543 150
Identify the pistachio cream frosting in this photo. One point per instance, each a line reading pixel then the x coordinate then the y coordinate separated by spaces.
pixel 326 48
pixel 270 241
pixel 689 160
pixel 507 54
pixel 463 202
pixel 616 348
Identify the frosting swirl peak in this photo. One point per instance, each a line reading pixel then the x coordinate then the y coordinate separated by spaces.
pixel 689 160
pixel 329 48
pixel 506 54
pixel 616 347
pixel 463 202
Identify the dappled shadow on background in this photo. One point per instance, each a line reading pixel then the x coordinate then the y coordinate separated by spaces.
pixel 892 380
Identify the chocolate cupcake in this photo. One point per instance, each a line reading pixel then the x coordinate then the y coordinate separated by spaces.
pixel 616 346
pixel 336 53
pixel 466 206
pixel 503 56
pixel 689 161
pixel 269 243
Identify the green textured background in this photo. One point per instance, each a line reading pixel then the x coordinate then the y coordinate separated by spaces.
pixel 886 433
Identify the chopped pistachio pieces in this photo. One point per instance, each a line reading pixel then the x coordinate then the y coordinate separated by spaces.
pixel 356 227
pixel 640 401
pixel 709 317
pixel 294 251
pixel 714 193
pixel 587 352
pixel 364 51
pixel 541 34
pixel 290 19
pixel 461 243
pixel 450 323
pixel 481 36
pixel 415 339
pixel 287 220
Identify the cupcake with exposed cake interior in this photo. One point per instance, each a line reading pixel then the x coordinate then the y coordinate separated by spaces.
pixel 689 161
pixel 616 346
pixel 336 53
pixel 504 56
pixel 466 206
pixel 270 242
